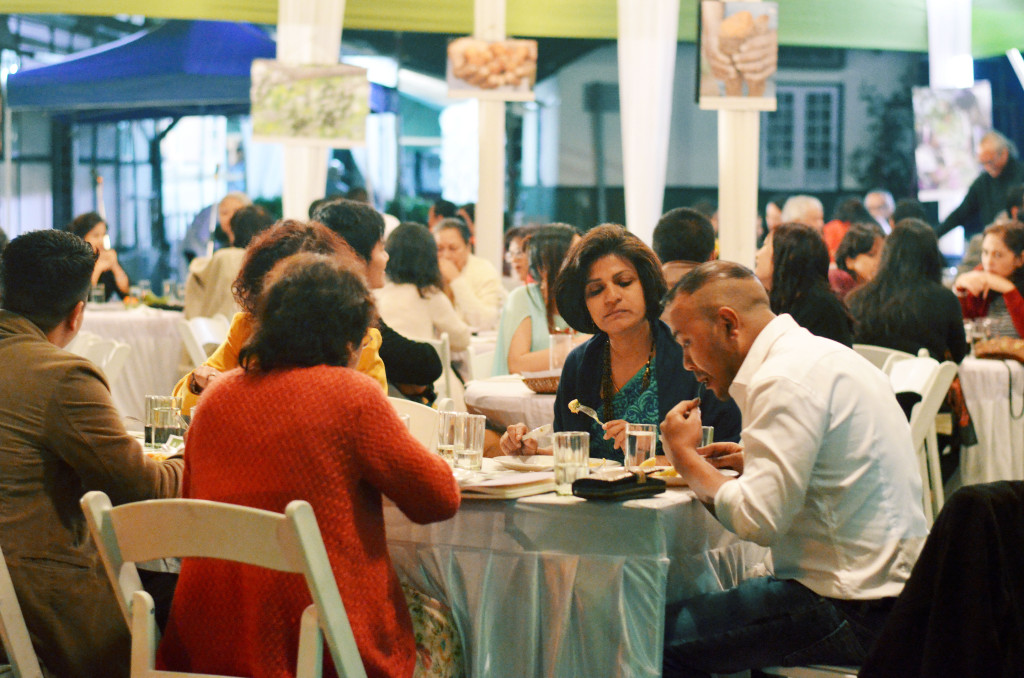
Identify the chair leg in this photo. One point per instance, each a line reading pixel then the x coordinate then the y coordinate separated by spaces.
pixel 144 635
pixel 311 646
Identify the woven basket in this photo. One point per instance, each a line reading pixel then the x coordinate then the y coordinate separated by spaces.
pixel 542 382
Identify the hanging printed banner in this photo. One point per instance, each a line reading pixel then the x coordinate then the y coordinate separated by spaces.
pixel 504 70
pixel 739 54
pixel 321 105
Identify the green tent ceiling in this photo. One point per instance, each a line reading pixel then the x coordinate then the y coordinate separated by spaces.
pixel 997 25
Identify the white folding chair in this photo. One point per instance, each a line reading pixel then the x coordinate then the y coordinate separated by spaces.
pixel 422 420
pixel 79 345
pixel 109 355
pixel 444 385
pixel 115 361
pixel 481 364
pixel 884 358
pixel 17 643
pixel 202 336
pixel 931 379
pixel 192 528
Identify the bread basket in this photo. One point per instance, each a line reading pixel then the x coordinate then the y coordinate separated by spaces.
pixel 542 382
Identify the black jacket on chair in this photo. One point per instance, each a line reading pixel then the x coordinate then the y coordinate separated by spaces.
pixel 961 612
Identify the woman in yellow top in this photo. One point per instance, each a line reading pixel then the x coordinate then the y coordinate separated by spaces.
pixel 282 240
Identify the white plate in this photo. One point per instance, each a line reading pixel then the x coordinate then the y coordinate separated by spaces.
pixel 543 462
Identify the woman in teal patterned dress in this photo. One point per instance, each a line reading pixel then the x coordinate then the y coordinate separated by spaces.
pixel 631 370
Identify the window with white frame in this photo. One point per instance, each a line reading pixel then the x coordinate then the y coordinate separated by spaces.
pixel 800 149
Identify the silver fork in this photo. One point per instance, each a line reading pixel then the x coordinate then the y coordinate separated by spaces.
pixel 589 411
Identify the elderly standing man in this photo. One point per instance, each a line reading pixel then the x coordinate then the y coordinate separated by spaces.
pixel 60 437
pixel 880 203
pixel 828 480
pixel 987 195
pixel 806 210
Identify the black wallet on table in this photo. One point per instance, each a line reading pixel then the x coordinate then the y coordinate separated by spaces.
pixel 617 485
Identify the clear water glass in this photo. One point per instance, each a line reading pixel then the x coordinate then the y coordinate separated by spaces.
pixel 559 346
pixel 471 456
pixel 641 443
pixel 707 435
pixel 572 458
pixel 163 419
pixel 451 434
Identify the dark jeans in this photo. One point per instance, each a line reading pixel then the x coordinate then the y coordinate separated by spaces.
pixel 768 622
pixel 161 586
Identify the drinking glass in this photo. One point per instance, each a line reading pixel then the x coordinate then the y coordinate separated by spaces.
pixel 144 288
pixel 451 434
pixel 163 419
pixel 558 349
pixel 572 458
pixel 641 443
pixel 707 435
pixel 97 295
pixel 471 456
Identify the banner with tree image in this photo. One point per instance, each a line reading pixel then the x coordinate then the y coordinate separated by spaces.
pixel 322 105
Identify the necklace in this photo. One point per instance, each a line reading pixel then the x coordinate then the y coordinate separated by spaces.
pixel 608 389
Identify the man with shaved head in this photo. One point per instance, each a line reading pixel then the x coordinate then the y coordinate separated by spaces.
pixel 828 480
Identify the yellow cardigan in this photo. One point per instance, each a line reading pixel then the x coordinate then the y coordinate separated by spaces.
pixel 242 327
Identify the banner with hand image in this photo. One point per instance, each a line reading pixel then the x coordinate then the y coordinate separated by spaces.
pixel 739 55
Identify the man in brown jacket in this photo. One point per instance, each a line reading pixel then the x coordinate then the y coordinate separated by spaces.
pixel 60 436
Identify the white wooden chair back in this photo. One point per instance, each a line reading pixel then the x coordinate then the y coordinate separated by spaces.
pixel 881 357
pixel 21 656
pixel 202 336
pixel 422 420
pixel 183 528
pixel 931 379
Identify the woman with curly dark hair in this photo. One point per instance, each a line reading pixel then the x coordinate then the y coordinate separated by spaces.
pixel 282 240
pixel 905 306
pixel 411 301
pixel 793 266
pixel 296 421
pixel 631 370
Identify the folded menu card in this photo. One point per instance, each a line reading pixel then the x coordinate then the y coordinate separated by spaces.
pixel 511 486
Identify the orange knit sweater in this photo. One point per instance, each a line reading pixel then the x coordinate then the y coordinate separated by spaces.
pixel 329 436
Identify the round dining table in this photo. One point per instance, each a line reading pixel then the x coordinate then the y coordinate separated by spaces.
pixel 506 400
pixel 994 393
pixel 152 367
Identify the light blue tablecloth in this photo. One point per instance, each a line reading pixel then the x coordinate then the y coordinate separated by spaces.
pixel 557 586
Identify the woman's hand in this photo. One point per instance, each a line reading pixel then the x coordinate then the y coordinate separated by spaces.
pixel 616 430
pixel 204 375
pixel 105 261
pixel 512 442
pixel 973 283
pixel 723 455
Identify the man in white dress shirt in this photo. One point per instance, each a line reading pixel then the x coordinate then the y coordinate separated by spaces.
pixel 472 283
pixel 828 480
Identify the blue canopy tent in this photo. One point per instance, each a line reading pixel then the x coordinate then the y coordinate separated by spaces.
pixel 179 69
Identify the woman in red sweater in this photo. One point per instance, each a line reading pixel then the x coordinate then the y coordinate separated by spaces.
pixel 993 290
pixel 296 422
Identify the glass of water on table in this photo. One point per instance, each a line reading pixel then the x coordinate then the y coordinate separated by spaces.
pixel 641 444
pixel 451 434
pixel 572 458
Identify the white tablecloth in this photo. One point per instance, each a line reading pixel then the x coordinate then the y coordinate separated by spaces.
pixel 999 454
pixel 557 586
pixel 506 401
pixel 152 365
